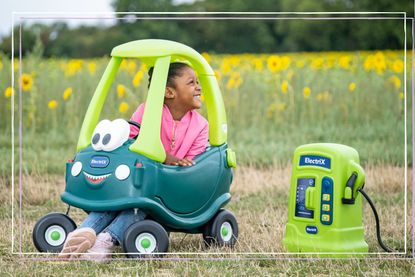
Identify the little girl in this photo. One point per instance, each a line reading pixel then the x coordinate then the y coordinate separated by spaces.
pixel 184 134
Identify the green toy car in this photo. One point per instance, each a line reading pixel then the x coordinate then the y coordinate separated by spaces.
pixel 111 172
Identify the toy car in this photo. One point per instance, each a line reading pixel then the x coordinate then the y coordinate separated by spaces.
pixel 111 172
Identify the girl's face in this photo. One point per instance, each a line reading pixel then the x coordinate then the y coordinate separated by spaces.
pixel 186 91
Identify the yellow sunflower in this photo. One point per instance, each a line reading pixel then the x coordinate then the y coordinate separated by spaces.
pixel 396 81
pixel 53 104
pixel 306 92
pixel 137 78
pixel 8 92
pixel 344 62
pixel 257 62
pixel 284 87
pixel 121 90
pixel 274 63
pixel 123 108
pixel 92 67
pixel 67 94
pixel 398 66
pixel 352 87
pixel 27 82
pixel 207 57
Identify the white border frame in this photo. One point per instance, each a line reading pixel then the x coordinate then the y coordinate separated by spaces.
pixel 192 17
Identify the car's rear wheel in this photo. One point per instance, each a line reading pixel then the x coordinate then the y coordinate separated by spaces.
pixel 222 230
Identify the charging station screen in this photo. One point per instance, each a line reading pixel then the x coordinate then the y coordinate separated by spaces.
pixel 300 209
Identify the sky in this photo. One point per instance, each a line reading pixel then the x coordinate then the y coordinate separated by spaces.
pixel 94 9
pixel 62 8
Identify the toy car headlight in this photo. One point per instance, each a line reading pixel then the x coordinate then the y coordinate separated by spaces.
pixel 76 169
pixel 122 172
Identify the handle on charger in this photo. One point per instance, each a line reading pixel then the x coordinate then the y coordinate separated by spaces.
pixel 309 198
pixel 355 182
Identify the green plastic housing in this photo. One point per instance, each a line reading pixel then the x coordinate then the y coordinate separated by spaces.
pixel 318 220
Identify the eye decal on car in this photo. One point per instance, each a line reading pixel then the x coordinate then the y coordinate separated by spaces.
pixel 95 139
pixel 106 139
pixel 109 135
pixel 99 132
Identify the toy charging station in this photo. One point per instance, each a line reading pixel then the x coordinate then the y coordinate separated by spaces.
pixel 325 206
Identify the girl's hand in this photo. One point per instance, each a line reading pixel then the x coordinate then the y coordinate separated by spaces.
pixel 172 160
pixel 186 162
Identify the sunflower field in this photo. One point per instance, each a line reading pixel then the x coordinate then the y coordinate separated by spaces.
pixel 274 103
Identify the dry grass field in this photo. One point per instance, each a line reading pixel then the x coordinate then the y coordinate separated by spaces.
pixel 260 201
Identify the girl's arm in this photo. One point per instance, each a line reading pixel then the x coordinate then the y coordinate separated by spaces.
pixel 200 143
pixel 173 160
pixel 198 146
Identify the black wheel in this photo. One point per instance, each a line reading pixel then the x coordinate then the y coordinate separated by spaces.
pixel 50 232
pixel 145 238
pixel 222 230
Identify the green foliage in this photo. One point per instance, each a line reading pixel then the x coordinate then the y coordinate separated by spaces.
pixel 228 36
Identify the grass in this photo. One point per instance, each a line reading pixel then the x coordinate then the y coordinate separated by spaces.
pixel 260 201
pixel 266 121
pixel 380 141
pixel 216 268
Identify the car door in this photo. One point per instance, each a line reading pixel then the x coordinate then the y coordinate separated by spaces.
pixel 185 190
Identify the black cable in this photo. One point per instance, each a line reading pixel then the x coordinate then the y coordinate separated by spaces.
pixel 67 211
pixel 387 249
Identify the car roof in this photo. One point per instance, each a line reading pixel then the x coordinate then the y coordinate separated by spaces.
pixel 148 50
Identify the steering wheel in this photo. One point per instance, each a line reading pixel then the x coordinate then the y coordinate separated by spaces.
pixel 136 124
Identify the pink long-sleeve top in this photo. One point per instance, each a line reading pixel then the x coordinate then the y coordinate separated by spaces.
pixel 186 138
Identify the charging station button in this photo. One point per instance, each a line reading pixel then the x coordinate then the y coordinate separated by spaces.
pixel 326 204
pixel 326 197
pixel 325 218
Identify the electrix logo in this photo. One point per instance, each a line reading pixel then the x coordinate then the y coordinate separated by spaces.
pixel 311 229
pixel 315 161
pixel 99 161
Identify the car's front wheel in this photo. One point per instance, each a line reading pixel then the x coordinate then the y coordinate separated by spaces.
pixel 50 232
pixel 146 238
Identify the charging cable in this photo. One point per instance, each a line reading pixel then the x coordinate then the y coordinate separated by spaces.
pixel 387 249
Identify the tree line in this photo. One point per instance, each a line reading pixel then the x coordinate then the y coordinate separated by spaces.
pixel 237 33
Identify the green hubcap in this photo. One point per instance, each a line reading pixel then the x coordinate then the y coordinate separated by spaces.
pixel 145 243
pixel 55 235
pixel 224 231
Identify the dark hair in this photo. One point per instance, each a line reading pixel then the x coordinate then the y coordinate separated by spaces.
pixel 175 69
